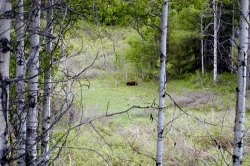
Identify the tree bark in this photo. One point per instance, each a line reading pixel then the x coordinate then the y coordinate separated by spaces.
pixel 20 86
pixel 232 44
pixel 202 49
pixel 5 18
pixel 47 87
pixel 33 66
pixel 215 39
pixel 241 85
pixel 162 83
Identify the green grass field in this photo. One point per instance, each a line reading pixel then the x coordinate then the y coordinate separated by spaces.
pixel 198 135
pixel 119 97
pixel 199 131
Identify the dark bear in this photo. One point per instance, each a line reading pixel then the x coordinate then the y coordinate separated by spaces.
pixel 131 83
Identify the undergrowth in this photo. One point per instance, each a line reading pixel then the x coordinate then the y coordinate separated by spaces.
pixel 199 114
pixel 200 135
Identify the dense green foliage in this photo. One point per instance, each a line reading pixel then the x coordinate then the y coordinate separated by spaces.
pixel 182 55
pixel 184 34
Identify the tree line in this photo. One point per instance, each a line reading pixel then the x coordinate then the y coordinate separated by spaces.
pixel 33 50
pixel 32 42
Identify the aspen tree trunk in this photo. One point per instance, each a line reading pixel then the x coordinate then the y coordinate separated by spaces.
pixel 232 49
pixel 20 86
pixel 47 87
pixel 162 82
pixel 202 49
pixel 31 142
pixel 5 18
pixel 241 85
pixel 215 39
pixel 232 43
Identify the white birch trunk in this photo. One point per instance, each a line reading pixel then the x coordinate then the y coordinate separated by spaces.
pixel 31 142
pixel 20 86
pixel 47 88
pixel 241 85
pixel 215 40
pixel 5 18
pixel 162 82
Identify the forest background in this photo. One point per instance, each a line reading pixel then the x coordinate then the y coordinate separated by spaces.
pixel 88 51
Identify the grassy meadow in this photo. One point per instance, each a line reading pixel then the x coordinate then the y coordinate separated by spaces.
pixel 199 115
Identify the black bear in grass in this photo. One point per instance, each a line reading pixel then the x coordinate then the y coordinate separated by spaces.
pixel 131 83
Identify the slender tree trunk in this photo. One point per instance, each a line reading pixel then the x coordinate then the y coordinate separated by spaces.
pixel 47 87
pixel 241 85
pixel 215 39
pixel 162 83
pixel 232 43
pixel 248 65
pixel 202 49
pixel 232 50
pixel 202 58
pixel 20 73
pixel 5 18
pixel 33 65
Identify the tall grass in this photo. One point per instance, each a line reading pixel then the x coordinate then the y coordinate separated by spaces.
pixel 199 114
pixel 200 135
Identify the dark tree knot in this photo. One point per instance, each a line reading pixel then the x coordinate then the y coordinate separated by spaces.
pixel 239 144
pixel 158 164
pixel 236 159
pixel 32 104
pixel 243 63
pixel 20 62
pixel 7 15
pixel 4 45
pixel 160 135
pixel 162 55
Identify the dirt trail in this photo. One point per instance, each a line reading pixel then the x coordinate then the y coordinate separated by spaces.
pixel 193 99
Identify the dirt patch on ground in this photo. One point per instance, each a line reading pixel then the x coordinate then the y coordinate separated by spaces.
pixel 193 99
